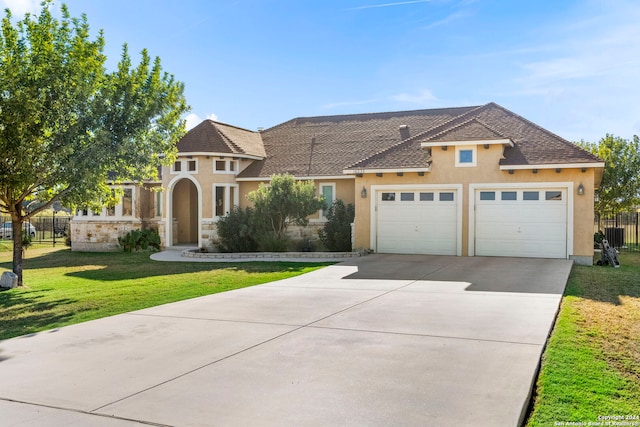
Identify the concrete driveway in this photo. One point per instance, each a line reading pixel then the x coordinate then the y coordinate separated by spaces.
pixel 379 340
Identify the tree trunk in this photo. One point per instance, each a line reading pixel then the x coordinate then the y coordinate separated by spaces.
pixel 17 248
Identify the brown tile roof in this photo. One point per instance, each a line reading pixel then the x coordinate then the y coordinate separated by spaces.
pixel 533 145
pixel 216 137
pixel 323 146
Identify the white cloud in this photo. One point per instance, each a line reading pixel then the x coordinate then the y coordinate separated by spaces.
pixel 193 120
pixel 20 7
pixel 422 97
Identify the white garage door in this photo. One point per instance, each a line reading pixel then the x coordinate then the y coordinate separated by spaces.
pixel 417 222
pixel 521 223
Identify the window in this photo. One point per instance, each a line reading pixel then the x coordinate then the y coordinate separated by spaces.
pixel 219 201
pixel 159 203
pixel 388 197
pixel 509 195
pixel 192 166
pixel 225 166
pixel 426 197
pixel 487 195
pixel 446 197
pixel 328 191
pixel 225 196
pixel 127 202
pixel 531 195
pixel 465 156
pixel 177 166
pixel 407 197
pixel 553 195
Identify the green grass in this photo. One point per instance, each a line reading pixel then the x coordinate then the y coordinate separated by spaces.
pixel 591 366
pixel 64 287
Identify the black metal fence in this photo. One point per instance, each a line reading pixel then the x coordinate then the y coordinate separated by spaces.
pixel 52 229
pixel 621 230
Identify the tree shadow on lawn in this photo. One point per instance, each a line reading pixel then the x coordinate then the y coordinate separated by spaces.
pixel 111 266
pixel 25 313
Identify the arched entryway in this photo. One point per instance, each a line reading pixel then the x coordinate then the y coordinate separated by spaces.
pixel 185 213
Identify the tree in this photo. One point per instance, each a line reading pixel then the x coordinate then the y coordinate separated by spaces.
pixel 286 201
pixel 336 234
pixel 68 127
pixel 620 186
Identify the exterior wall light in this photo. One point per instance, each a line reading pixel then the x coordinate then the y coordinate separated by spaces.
pixel 363 193
pixel 580 190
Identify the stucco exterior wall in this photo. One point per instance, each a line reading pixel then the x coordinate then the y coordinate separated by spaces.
pixel 443 171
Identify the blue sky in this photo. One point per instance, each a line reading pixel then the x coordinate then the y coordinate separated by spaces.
pixel 571 66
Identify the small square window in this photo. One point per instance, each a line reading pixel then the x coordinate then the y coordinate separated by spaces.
pixel 233 166
pixel 446 197
pixel 388 197
pixel 531 195
pixel 177 166
pixel 191 165
pixel 221 165
pixel 466 156
pixel 426 197
pixel 407 197
pixel 509 195
pixel 487 195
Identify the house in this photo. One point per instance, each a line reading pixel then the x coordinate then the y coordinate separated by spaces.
pixel 454 181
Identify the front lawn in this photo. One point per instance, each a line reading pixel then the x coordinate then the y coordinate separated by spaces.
pixel 64 287
pixel 591 367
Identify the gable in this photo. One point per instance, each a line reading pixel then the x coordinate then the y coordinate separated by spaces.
pixel 528 143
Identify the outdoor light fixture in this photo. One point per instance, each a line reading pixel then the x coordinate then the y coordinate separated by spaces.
pixel 363 193
pixel 580 190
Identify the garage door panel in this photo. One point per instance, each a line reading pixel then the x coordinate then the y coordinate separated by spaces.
pixel 417 226
pixel 521 228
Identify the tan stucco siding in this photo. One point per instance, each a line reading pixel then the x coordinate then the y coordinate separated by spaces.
pixel 444 172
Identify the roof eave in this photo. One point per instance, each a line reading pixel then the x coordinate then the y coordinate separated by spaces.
pixel 358 171
pixel 553 166
pixel 504 141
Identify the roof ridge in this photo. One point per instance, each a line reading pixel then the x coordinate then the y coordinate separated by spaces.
pixel 419 135
pixel 230 125
pixel 461 124
pixel 372 114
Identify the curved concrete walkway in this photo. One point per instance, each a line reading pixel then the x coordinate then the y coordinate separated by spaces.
pixel 379 340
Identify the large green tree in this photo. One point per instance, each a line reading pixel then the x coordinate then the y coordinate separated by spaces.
pixel 620 186
pixel 68 126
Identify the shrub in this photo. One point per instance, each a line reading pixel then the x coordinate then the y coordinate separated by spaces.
pixel 336 234
pixel 140 240
pixel 237 231
pixel 286 201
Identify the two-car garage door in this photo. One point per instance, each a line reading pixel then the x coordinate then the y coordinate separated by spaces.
pixel 514 222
